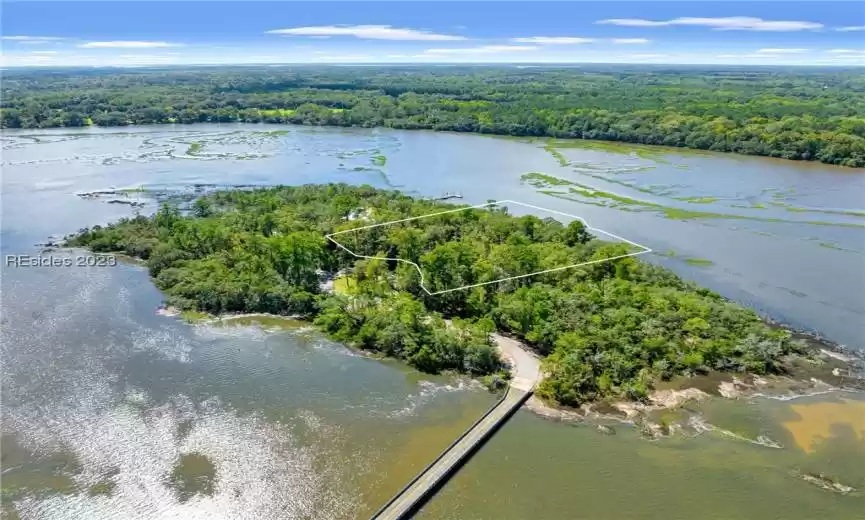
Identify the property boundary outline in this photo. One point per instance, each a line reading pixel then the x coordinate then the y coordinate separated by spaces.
pixel 330 236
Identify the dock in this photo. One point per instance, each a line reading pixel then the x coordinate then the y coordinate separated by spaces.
pixel 446 196
pixel 407 502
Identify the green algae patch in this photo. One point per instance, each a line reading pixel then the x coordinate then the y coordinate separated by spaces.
pixel 700 262
pixel 193 474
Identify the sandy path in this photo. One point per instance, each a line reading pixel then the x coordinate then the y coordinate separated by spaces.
pixel 525 366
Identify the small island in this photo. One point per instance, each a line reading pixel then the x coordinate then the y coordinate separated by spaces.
pixel 606 331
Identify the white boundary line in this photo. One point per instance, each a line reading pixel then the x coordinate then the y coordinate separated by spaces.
pixel 478 206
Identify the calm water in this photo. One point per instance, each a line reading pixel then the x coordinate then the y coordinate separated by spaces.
pixel 104 401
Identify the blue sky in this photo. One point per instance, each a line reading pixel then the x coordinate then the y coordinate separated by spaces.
pixel 160 33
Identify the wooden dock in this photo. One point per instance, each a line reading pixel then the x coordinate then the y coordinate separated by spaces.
pixel 427 482
pixel 446 196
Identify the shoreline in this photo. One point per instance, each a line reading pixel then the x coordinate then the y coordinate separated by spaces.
pixel 660 147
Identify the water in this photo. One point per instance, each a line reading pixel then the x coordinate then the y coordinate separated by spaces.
pixel 110 410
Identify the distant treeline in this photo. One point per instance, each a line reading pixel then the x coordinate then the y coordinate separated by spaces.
pixel 814 115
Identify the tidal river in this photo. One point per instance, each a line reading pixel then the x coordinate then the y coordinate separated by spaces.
pixel 113 411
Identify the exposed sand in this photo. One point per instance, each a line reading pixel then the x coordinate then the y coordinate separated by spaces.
pixel 817 420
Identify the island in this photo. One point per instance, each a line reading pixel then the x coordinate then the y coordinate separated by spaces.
pixel 605 330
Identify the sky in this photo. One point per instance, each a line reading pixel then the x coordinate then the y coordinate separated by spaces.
pixel 121 33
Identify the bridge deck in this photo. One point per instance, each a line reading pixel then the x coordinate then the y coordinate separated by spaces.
pixel 404 504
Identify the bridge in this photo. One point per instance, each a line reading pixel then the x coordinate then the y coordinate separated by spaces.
pixel 525 371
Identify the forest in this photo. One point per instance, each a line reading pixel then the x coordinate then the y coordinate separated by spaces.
pixel 606 330
pixel 790 113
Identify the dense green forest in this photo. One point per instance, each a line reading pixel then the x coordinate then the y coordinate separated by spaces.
pixel 608 329
pixel 816 115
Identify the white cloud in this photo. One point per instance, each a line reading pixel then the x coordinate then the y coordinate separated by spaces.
pixel 747 56
pixel 126 44
pixel 846 51
pixel 39 42
pixel 649 56
pixel 43 52
pixel 367 32
pixel 782 51
pixel 553 40
pixel 630 41
pixel 31 38
pixel 485 49
pixel 851 28
pixel 731 23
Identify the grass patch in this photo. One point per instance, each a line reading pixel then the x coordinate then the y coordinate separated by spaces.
pixel 701 262
pixel 276 112
pixel 194 316
pixel 344 285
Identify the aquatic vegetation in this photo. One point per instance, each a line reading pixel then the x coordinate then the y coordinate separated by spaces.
pixel 702 262
pixel 559 156
pixel 542 180
pixel 653 153
pixel 193 474
pixel 274 133
pixel 563 195
pixel 193 316
pixel 194 148
pixel 630 204
pixel 699 200
pixel 379 160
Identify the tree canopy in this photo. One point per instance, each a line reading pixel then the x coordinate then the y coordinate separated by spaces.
pixel 607 329
pixel 792 113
